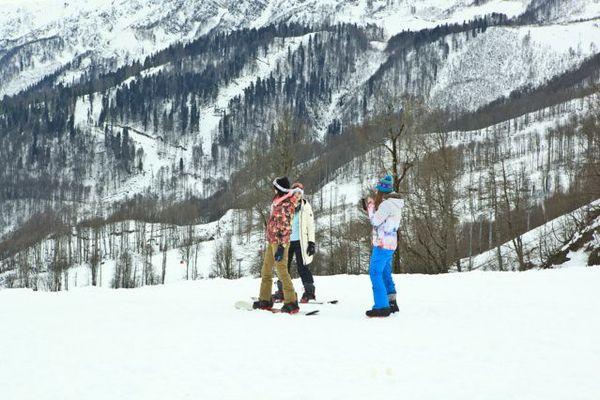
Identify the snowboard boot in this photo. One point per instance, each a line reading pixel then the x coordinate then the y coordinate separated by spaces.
pixel 309 293
pixel 290 308
pixel 262 305
pixel 378 312
pixel 393 305
pixel 278 296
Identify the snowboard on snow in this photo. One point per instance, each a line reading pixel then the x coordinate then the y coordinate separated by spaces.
pixel 321 302
pixel 311 301
pixel 246 305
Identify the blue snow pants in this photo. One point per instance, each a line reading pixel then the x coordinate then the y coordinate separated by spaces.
pixel 380 271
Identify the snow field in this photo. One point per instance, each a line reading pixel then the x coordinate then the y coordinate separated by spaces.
pixel 477 335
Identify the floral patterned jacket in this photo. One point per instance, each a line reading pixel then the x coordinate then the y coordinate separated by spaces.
pixel 279 226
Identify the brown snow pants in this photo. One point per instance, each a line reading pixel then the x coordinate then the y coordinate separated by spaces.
pixel 266 285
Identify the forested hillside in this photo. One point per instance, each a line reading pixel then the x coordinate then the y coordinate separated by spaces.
pixel 136 163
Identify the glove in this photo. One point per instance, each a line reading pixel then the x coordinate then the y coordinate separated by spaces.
pixel 311 248
pixel 279 253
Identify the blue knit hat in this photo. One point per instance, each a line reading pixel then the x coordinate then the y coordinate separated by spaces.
pixel 386 184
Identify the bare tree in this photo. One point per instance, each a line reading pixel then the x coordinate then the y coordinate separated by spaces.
pixel 431 230
pixel 278 158
pixel 515 198
pixel 223 260
pixel 94 260
pixel 591 133
pixel 124 275
pixel 163 248
pixel 148 275
pixel 402 155
pixel 58 266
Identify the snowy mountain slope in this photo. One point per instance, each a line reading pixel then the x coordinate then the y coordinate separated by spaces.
pixel 526 142
pixel 466 70
pixel 341 101
pixel 326 75
pixel 481 69
pixel 271 61
pixel 457 72
pixel 562 10
pixel 160 156
pixel 544 241
pixel 511 335
pixel 393 15
pixel 108 34
pixel 470 76
pixel 530 145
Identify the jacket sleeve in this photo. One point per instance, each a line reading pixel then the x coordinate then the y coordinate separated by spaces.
pixel 310 221
pixel 377 217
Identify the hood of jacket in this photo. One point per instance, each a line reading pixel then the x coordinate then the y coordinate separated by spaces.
pixel 392 195
pixel 395 200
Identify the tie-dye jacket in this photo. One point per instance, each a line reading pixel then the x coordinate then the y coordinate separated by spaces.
pixel 279 226
pixel 386 221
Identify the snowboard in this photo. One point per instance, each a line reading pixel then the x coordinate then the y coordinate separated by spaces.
pixel 311 301
pixel 247 306
pixel 322 302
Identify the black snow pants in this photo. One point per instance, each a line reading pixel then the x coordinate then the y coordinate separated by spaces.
pixel 303 271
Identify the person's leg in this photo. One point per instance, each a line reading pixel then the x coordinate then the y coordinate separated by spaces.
pixel 303 269
pixel 279 294
pixel 289 295
pixel 290 258
pixel 291 253
pixel 376 267
pixel 389 285
pixel 266 274
pixel 388 280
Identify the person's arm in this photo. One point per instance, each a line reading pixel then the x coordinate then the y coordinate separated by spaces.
pixel 377 217
pixel 311 222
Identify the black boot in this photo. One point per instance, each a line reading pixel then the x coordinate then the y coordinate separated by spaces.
pixel 278 296
pixel 393 305
pixel 309 293
pixel 378 312
pixel 290 308
pixel 262 305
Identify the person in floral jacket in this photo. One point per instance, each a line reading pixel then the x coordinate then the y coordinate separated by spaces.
pixel 279 228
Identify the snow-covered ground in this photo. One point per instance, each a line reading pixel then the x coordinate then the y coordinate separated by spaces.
pixel 479 335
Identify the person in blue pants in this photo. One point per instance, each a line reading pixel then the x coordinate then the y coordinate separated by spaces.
pixel 380 270
pixel 385 212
